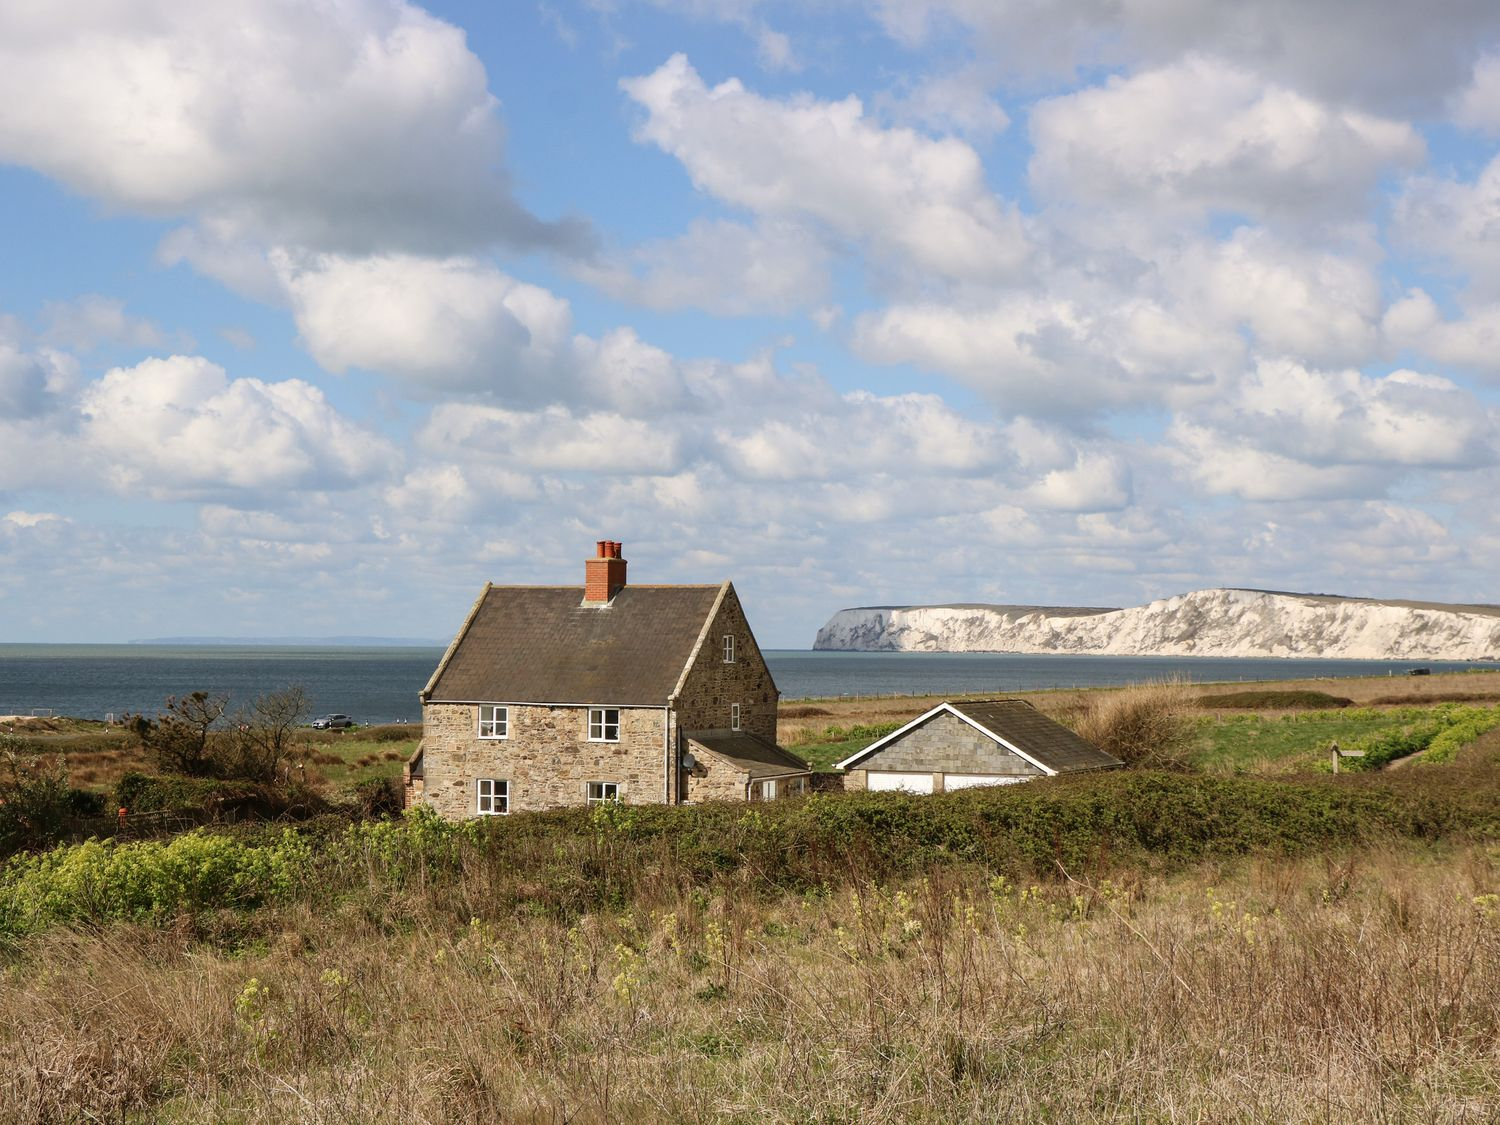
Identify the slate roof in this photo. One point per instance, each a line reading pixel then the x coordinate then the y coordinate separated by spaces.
pixel 540 644
pixel 1049 743
pixel 1019 725
pixel 757 756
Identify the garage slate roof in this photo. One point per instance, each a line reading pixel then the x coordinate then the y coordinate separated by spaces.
pixel 1016 724
pixel 1050 744
pixel 540 644
pixel 757 756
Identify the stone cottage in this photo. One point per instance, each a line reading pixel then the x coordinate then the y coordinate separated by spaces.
pixel 972 743
pixel 551 696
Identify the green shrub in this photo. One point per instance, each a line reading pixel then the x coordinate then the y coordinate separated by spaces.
pixel 101 881
pixel 1464 730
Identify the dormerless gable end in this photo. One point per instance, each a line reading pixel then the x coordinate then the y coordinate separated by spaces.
pixel 724 591
pixel 454 643
pixel 1015 725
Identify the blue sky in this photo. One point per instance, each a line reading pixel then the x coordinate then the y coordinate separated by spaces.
pixel 314 318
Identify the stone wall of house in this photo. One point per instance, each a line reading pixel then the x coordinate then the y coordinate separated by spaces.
pixel 712 686
pixel 947 744
pixel 547 758
pixel 713 780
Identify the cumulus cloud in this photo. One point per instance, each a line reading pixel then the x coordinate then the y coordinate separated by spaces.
pixel 918 202
pixel 1458 224
pixel 1201 135
pixel 1054 356
pixel 554 439
pixel 721 267
pixel 1470 340
pixel 1291 433
pixel 355 126
pixel 460 325
pixel 951 102
pixel 181 427
pixel 1382 54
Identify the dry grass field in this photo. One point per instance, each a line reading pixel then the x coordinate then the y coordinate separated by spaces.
pixel 1359 986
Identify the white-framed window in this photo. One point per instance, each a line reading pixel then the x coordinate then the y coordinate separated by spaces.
pixel 492 796
pixel 734 716
pixel 796 786
pixel 604 724
pixel 494 721
pixel 604 792
pixel 728 648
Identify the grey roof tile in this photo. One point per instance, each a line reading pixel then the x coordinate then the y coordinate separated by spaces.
pixel 757 756
pixel 540 644
pixel 1048 742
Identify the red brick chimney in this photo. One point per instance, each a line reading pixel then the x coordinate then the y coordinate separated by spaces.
pixel 604 574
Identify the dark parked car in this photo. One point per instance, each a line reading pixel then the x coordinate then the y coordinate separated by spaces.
pixel 1419 671
pixel 332 722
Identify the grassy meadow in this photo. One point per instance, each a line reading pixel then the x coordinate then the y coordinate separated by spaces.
pixel 1239 938
pixel 1128 946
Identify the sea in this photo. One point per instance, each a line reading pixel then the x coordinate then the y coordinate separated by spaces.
pixel 380 684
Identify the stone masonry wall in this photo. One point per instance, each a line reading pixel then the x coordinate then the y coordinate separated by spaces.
pixel 547 758
pixel 714 780
pixel 947 744
pixel 712 686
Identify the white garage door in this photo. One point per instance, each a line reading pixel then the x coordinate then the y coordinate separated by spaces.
pixel 954 781
pixel 884 781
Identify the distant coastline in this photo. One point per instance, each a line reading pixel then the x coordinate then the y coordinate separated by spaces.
pixel 291 642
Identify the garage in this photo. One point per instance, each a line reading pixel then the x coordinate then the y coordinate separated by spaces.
pixel 972 744
pixel 886 781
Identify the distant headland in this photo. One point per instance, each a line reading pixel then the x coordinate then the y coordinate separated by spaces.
pixel 1217 622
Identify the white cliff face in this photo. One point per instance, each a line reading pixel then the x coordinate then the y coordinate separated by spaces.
pixel 1203 623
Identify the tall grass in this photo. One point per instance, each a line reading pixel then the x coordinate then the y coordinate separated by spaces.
pixel 1145 726
pixel 1359 986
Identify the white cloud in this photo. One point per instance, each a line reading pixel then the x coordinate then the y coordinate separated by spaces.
pixel 554 439
pixel 352 126
pixel 1457 223
pixel 1055 357
pixel 1202 135
pixel 951 102
pixel 1317 305
pixel 1289 433
pixel 92 320
pixel 1471 340
pixel 1478 106
pixel 1382 54
pixel 452 323
pixel 33 519
pixel 1229 465
pixel 722 267
pixel 181 427
pixel 841 439
pixel 920 203
pixel 33 383
pixel 457 324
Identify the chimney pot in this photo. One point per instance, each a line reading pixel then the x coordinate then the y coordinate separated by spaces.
pixel 604 575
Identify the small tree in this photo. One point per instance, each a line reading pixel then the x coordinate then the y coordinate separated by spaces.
pixel 264 734
pixel 181 739
pixel 34 795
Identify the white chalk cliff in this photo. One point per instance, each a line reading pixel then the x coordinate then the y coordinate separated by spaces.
pixel 1202 623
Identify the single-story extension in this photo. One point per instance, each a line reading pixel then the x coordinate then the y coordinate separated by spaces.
pixel 962 745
